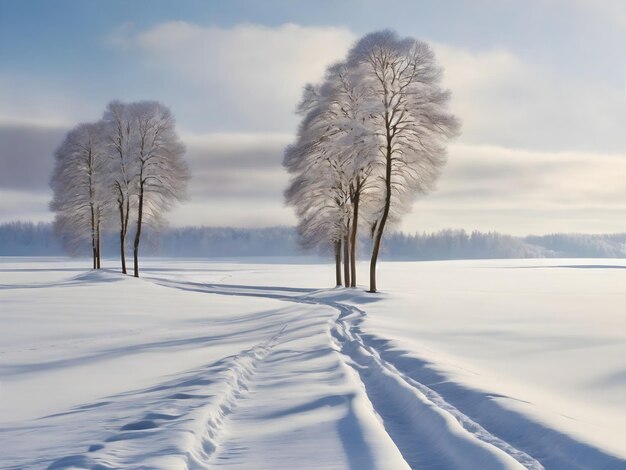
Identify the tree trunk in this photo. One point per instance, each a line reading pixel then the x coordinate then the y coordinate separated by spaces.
pixel 123 221
pixel 338 263
pixel 373 262
pixel 94 251
pixel 122 254
pixel 380 228
pixel 98 244
pixel 355 224
pixel 346 259
pixel 138 232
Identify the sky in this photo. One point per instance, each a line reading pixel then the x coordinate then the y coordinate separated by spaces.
pixel 540 87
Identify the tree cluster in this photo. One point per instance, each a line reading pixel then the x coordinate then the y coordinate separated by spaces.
pixel 373 136
pixel 125 170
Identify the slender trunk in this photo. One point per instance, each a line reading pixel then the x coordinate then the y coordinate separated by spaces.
pixel 375 251
pixel 380 228
pixel 346 258
pixel 123 236
pixel 138 232
pixel 355 224
pixel 122 254
pixel 338 263
pixel 94 251
pixel 98 244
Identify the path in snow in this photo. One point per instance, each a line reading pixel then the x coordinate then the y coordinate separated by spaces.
pixel 428 433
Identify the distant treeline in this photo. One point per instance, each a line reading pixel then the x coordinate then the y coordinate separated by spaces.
pixel 38 239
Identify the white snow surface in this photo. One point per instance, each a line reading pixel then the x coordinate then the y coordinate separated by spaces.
pixel 249 364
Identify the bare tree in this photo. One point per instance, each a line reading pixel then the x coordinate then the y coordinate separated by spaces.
pixel 161 173
pixel 352 143
pixel 319 189
pixel 132 158
pixel 80 189
pixel 409 118
pixel 120 139
pixel 374 137
pixel 331 153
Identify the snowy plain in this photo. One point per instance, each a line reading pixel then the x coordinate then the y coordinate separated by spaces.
pixel 257 364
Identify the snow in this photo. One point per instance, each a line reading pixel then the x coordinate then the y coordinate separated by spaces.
pixel 247 364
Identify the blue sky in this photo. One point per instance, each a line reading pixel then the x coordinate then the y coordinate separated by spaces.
pixel 539 85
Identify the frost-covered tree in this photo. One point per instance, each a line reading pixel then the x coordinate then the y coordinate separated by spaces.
pixel 320 186
pixel 351 144
pixel 80 188
pixel 120 142
pixel 330 164
pixel 130 162
pixel 161 174
pixel 374 132
pixel 408 115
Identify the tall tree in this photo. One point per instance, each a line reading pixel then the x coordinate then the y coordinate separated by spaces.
pixel 319 189
pixel 121 138
pixel 330 155
pixel 79 186
pixel 352 143
pixel 408 115
pixel 161 173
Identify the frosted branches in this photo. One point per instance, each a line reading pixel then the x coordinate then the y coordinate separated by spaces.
pixel 373 137
pixel 130 163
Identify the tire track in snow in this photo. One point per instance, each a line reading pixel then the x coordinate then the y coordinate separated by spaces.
pixel 402 403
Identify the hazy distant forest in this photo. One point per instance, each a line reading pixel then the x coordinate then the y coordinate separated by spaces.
pixel 38 239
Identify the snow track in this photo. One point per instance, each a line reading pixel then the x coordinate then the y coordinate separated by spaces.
pixel 212 418
pixel 428 431
pixel 186 400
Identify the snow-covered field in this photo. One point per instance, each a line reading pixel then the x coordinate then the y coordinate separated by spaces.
pixel 200 364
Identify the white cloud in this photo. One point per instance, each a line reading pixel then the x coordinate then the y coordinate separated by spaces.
pixel 504 100
pixel 249 77
pixel 253 72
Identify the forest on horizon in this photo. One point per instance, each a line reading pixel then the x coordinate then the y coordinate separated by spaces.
pixel 38 239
